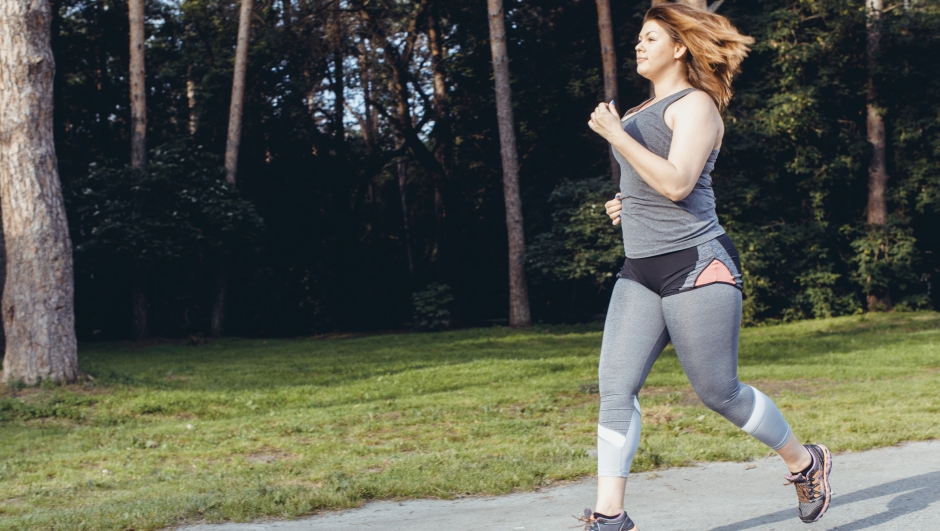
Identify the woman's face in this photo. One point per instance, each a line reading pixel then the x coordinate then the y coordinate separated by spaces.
pixel 656 52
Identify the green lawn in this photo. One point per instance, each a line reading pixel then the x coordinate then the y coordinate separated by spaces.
pixel 239 429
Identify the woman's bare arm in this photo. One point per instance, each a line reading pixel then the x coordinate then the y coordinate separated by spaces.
pixel 696 126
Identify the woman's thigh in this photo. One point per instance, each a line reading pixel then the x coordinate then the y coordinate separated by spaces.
pixel 634 335
pixel 704 325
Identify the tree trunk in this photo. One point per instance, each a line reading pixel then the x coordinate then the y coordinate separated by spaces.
pixel 191 101
pixel 402 190
pixel 518 292
pixel 238 93
pixel 443 139
pixel 609 59
pixel 139 307
pixel 877 170
pixel 38 298
pixel 138 79
pixel 339 79
pixel 369 123
pixel 138 85
pixel 232 144
pixel 218 306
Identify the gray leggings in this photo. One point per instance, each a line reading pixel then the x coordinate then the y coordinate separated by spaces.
pixel 703 324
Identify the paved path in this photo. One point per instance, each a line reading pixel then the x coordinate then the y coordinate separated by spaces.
pixel 896 488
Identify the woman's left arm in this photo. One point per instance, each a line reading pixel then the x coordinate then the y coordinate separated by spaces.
pixel 696 125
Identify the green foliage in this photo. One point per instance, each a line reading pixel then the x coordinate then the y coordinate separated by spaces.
pixel 178 208
pixel 581 244
pixel 884 259
pixel 430 307
pixel 240 430
pixel 790 181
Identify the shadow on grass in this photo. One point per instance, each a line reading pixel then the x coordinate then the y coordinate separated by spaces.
pixel 912 495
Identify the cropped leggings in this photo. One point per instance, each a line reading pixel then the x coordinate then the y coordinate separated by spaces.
pixel 693 298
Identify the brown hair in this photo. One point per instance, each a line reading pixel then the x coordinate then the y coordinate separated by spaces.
pixel 715 48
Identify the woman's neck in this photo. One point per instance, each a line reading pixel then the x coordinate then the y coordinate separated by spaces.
pixel 670 83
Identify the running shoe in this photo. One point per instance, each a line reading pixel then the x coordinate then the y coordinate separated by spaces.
pixel 812 487
pixel 594 523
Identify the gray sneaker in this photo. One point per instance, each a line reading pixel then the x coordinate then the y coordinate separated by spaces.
pixel 621 523
pixel 812 488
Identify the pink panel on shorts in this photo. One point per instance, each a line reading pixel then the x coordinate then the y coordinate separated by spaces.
pixel 715 272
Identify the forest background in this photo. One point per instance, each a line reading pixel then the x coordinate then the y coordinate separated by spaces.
pixel 365 201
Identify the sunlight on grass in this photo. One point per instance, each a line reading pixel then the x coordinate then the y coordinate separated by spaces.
pixel 239 429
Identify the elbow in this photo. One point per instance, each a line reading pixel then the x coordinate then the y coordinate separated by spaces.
pixel 677 194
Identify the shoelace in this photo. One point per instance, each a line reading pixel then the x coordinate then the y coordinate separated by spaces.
pixel 588 519
pixel 806 488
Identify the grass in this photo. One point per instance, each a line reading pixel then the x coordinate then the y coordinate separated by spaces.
pixel 240 429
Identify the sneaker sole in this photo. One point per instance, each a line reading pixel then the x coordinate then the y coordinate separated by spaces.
pixel 827 459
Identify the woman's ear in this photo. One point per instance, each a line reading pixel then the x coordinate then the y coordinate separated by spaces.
pixel 679 50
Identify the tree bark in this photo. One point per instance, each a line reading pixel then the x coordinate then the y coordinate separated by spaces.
pixel 38 298
pixel 406 218
pixel 191 101
pixel 232 144
pixel 518 291
pixel 339 79
pixel 609 59
pixel 139 307
pixel 138 80
pixel 877 170
pixel 238 93
pixel 217 321
pixel 443 139
pixel 138 85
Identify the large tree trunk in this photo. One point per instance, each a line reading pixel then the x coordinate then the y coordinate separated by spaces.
pixel 877 171
pixel 238 93
pixel 138 85
pixel 518 291
pixel 609 59
pixel 38 301
pixel 138 79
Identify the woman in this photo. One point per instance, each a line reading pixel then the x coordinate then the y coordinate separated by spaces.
pixel 682 278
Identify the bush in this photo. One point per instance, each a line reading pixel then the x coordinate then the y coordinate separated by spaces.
pixel 430 307
pixel 582 243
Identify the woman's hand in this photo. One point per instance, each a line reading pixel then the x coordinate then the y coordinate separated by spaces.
pixel 614 206
pixel 605 121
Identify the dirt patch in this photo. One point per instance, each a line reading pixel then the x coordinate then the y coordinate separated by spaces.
pixel 800 386
pixel 661 414
pixel 269 455
pixel 87 388
pixel 686 397
pixel 307 484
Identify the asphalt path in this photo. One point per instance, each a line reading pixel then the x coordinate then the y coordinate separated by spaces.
pixel 895 488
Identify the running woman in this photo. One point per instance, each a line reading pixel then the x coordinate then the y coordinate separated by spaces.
pixel 681 280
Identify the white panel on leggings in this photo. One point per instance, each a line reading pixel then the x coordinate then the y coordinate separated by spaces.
pixel 611 436
pixel 760 406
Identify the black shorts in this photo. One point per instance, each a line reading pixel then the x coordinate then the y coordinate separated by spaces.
pixel 713 262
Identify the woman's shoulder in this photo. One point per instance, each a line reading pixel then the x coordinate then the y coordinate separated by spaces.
pixel 694 110
pixel 696 98
pixel 695 105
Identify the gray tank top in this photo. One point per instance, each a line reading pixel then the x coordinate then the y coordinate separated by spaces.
pixel 652 224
